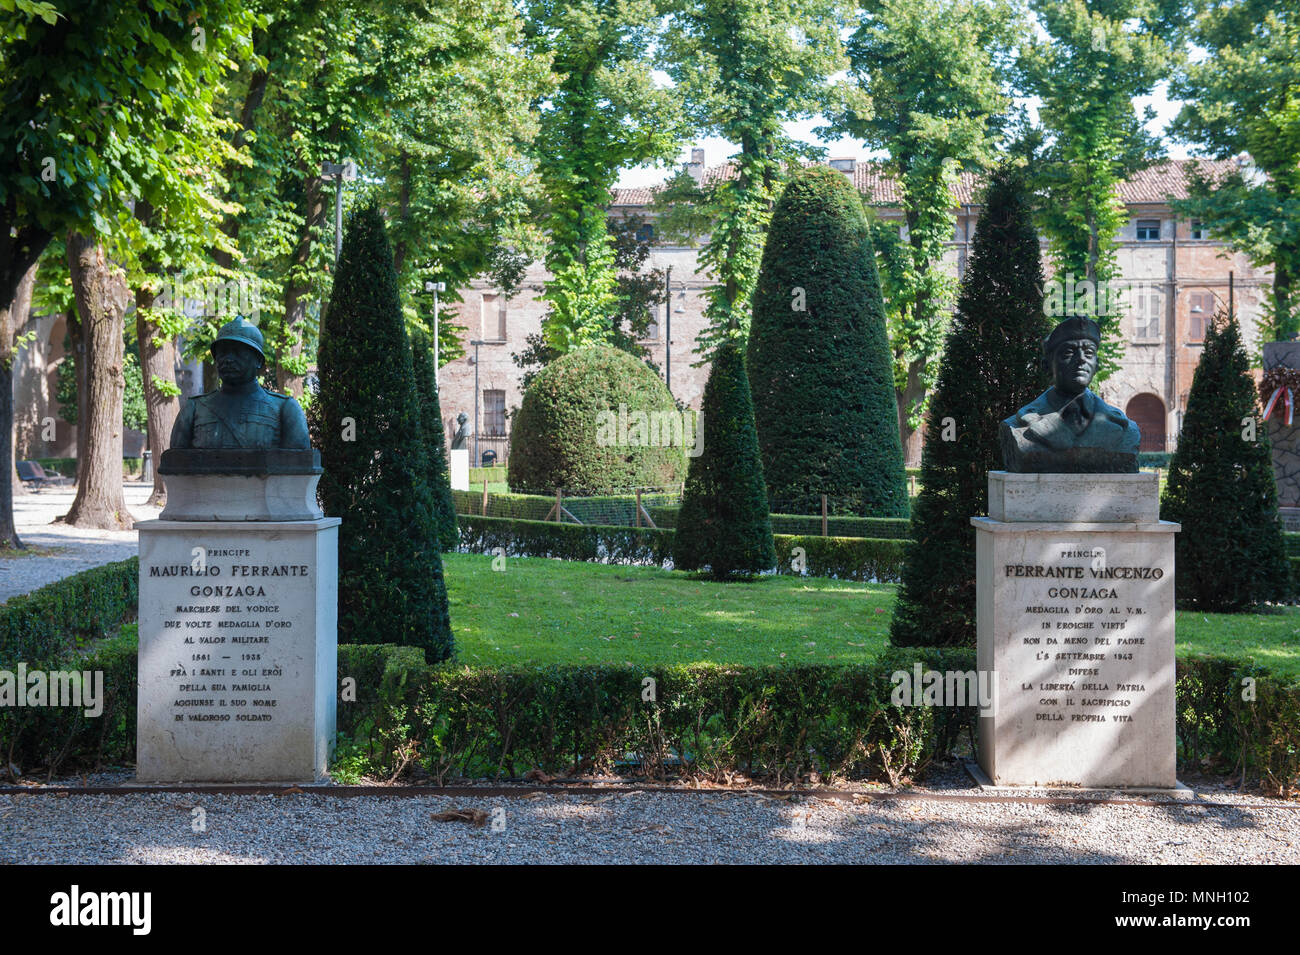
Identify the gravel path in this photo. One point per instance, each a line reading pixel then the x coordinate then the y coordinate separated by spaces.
pixel 62 550
pixel 632 827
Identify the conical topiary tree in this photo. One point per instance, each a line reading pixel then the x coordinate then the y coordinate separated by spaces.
pixel 1230 553
pixel 435 441
pixel 991 365
pixel 819 362
pixel 723 525
pixel 366 422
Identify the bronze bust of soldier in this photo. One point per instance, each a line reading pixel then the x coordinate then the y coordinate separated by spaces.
pixel 241 413
pixel 1068 429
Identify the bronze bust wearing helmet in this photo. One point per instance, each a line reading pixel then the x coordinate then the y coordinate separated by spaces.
pixel 241 413
pixel 1068 428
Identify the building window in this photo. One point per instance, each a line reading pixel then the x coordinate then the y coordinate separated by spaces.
pixel 492 318
pixel 1148 312
pixel 1198 230
pixel 494 413
pixel 1200 307
pixel 1148 230
pixel 645 233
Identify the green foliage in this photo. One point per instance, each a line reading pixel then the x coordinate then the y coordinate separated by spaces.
pixel 1222 729
pixel 818 359
pixel 606 113
pixel 991 365
pixel 366 422
pixel 585 542
pixel 1230 552
pixel 778 723
pixel 435 439
pixel 134 412
pixel 1095 58
pixel 934 73
pixel 636 293
pixel 807 525
pixel 1244 96
pixel 723 526
pixel 566 433
pixel 50 629
pixel 842 558
pixel 744 69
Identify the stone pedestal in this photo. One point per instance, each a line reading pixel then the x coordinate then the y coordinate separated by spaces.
pixel 459 466
pixel 1075 618
pixel 1285 439
pixel 238 650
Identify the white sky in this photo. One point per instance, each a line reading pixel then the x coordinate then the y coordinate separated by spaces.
pixel 716 150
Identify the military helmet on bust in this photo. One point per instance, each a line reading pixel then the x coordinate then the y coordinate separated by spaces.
pixel 241 331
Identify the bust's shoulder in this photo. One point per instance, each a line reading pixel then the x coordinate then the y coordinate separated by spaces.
pixel 1039 406
pixel 1111 412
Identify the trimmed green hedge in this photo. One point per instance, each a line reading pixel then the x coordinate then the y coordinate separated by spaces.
pixel 51 629
pixel 844 558
pixel 887 527
pixel 617 544
pixel 603 509
pixel 49 623
pixel 776 722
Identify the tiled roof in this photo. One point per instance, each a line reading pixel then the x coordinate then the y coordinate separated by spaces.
pixel 1156 184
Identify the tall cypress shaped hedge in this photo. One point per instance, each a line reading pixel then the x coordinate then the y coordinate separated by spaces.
pixel 366 422
pixel 819 362
pixel 723 524
pixel 435 439
pixel 991 365
pixel 1230 553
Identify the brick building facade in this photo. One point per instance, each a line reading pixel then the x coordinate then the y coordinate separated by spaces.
pixel 1174 274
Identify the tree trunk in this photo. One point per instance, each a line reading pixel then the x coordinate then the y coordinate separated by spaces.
pixel 102 296
pixel 20 248
pixel 13 313
pixel 77 355
pixel 296 289
pixel 157 361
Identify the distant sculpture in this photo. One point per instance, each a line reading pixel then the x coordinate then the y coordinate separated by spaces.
pixel 460 440
pixel 1068 429
pixel 241 414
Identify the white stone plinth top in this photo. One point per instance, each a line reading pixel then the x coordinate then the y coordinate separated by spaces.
pixel 1074 498
pixel 241 497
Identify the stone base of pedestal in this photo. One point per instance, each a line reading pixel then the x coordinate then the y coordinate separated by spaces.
pixel 238 650
pixel 1075 618
pixel 459 467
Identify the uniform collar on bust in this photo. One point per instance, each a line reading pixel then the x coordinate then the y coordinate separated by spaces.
pixel 247 388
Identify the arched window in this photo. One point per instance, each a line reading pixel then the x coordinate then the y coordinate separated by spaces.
pixel 1148 413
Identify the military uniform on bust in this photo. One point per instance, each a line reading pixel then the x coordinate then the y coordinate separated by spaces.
pixel 241 413
pixel 1068 428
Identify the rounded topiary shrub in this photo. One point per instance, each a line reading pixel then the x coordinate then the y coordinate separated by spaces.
pixel 594 421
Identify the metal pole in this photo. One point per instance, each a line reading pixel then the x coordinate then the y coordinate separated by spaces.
pixel 437 384
pixel 476 460
pixel 338 218
pixel 668 330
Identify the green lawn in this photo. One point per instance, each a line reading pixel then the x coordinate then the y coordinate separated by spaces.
pixel 550 611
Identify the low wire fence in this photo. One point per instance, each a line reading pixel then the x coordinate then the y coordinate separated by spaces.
pixel 626 507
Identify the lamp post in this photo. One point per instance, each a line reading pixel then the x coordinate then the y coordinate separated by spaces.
pixel 338 171
pixel 435 288
pixel 476 343
pixel 668 329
